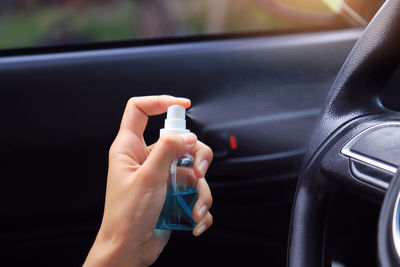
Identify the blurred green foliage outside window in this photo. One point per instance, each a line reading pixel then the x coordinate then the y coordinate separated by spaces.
pixel 32 23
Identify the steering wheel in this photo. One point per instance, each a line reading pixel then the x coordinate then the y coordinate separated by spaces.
pixel 355 145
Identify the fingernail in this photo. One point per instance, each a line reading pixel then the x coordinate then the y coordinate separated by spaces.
pixel 183 98
pixel 189 139
pixel 203 166
pixel 202 211
pixel 201 229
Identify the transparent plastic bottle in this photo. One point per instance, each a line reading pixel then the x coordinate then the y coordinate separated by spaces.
pixel 182 184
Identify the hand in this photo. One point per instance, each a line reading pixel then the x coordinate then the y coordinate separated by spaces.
pixel 136 187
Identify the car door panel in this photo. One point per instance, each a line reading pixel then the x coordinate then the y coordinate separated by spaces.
pixel 60 112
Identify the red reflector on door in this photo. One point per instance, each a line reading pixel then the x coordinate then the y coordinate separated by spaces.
pixel 232 141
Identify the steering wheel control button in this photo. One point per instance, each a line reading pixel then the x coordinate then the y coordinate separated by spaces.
pixel 375 153
pixel 370 174
pixel 382 144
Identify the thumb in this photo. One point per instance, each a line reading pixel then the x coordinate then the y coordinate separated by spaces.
pixel 157 165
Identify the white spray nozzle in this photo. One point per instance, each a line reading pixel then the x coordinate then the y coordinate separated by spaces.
pixel 175 122
pixel 176 112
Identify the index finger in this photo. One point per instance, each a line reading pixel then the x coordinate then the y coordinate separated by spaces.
pixel 138 109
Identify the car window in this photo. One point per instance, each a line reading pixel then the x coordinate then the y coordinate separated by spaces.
pixel 33 23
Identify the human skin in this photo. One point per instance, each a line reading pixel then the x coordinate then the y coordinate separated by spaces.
pixel 136 187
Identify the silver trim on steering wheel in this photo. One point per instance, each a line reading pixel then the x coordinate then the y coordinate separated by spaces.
pixel 346 150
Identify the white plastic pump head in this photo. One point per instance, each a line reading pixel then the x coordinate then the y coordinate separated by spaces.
pixel 175 122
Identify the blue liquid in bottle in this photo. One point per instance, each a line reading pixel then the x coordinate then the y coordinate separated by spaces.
pixel 181 196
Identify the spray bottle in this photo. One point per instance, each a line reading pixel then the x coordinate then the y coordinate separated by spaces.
pixel 182 183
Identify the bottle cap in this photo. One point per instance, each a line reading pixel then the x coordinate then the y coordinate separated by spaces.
pixel 175 122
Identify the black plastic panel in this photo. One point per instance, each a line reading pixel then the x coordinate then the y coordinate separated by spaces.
pixel 61 112
pixel 65 100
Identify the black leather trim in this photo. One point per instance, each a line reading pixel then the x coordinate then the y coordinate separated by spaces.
pixel 355 93
pixel 357 88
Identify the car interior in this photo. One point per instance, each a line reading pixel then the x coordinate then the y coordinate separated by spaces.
pixel 303 123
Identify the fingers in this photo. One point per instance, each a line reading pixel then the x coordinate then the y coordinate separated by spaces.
pixel 204 201
pixel 129 140
pixel 139 108
pixel 203 225
pixel 157 165
pixel 203 156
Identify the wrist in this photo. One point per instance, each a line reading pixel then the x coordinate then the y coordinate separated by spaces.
pixel 109 252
